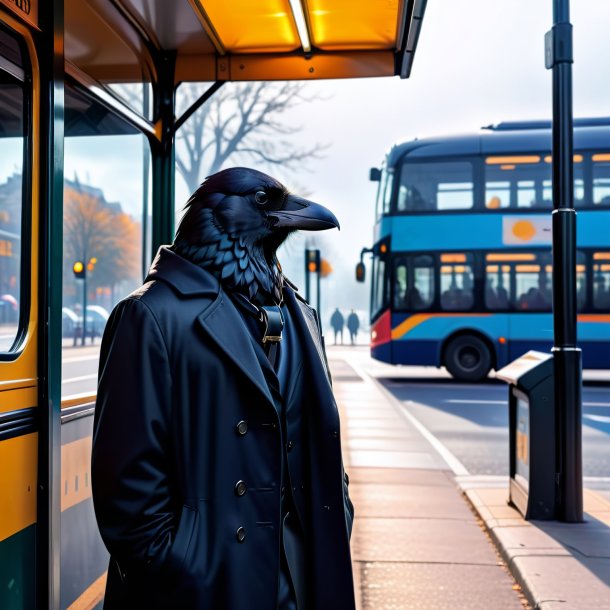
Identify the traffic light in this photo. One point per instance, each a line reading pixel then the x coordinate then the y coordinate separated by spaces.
pixel 79 270
pixel 313 261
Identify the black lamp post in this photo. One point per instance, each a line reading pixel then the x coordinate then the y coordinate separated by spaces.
pixel 567 356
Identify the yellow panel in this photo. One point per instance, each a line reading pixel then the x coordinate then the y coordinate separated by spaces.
pixel 244 26
pixel 512 160
pixel 19 398
pixel 353 24
pixel 19 457
pixel 75 472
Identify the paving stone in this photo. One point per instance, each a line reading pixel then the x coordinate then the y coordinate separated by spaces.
pixel 406 586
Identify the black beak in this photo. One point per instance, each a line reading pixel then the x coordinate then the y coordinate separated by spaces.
pixel 298 213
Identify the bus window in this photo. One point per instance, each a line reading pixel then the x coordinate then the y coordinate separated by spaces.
pixel 12 138
pixel 497 285
pixel 380 292
pixel 387 190
pixel 601 179
pixel 601 281
pixel 413 282
pixel 533 291
pixel 445 185
pixel 456 282
pixel 517 181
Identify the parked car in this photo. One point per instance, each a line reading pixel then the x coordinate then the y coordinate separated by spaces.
pixel 69 322
pixel 97 317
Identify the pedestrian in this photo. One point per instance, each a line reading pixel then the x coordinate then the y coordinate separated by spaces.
pixel 337 321
pixel 353 323
pixel 217 475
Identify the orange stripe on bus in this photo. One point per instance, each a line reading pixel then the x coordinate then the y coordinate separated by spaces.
pixel 415 320
pixel 593 317
pixel 91 596
pixel 75 472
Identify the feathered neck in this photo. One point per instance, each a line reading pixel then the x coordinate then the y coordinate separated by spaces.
pixel 240 263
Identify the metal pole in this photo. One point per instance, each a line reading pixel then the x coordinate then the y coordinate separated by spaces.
pixel 307 274
pixel 567 356
pixel 83 338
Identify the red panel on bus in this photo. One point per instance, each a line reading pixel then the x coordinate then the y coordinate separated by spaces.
pixel 381 331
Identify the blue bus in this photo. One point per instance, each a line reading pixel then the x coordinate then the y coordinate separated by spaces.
pixel 462 266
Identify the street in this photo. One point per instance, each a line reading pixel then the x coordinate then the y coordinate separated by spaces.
pixel 471 421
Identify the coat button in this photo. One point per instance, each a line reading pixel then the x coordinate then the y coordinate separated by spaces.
pixel 290 445
pixel 241 428
pixel 240 534
pixel 335 434
pixel 240 488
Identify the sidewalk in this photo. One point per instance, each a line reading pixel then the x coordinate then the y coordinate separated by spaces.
pixel 424 539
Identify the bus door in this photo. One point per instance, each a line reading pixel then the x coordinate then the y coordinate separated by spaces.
pixel 19 375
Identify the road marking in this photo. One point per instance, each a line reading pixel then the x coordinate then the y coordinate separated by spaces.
pixel 81 378
pixel 596 404
pixel 81 358
pixel 454 464
pixel 477 402
pixel 604 419
pixel 458 468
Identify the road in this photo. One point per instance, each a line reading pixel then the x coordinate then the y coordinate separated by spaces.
pixel 471 421
pixel 79 368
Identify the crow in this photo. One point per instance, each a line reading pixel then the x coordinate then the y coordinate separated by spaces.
pixel 235 222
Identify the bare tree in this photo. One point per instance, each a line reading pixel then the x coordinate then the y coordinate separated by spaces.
pixel 241 122
pixel 93 230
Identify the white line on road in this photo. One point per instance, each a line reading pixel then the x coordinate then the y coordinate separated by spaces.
pixel 604 419
pixel 596 404
pixel 476 402
pixel 458 468
pixel 81 358
pixel 81 378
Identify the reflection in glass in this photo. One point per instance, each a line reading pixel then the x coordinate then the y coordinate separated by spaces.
pixel 106 190
pixel 444 185
pixel 12 144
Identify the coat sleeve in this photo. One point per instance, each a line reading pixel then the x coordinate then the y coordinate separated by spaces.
pixel 130 459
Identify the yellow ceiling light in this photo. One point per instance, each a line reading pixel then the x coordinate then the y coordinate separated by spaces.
pixel 601 256
pixel 453 258
pixel 243 26
pixel 353 24
pixel 577 159
pixel 514 160
pixel 299 18
pixel 510 257
pixel 601 157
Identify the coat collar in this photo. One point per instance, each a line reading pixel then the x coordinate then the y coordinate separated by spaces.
pixel 187 278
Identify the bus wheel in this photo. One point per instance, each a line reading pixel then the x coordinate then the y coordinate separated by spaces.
pixel 468 358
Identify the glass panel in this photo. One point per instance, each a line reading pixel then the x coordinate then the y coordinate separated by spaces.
pixel 244 26
pixel 387 192
pixel 413 282
pixel 456 282
pixel 379 299
pixel 497 283
pixel 106 222
pixel 601 179
pixel 97 48
pixel 353 24
pixel 525 181
pixel 601 281
pixel 12 144
pixel 435 186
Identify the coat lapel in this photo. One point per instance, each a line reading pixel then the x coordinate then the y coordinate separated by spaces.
pixel 223 323
pixel 307 328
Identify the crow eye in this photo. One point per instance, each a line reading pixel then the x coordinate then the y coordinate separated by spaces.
pixel 261 197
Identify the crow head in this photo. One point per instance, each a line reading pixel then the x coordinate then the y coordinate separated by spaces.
pixel 234 223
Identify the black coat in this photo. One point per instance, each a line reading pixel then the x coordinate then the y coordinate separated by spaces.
pixel 183 414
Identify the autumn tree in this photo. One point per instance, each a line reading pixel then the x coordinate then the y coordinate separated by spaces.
pixel 93 229
pixel 241 122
